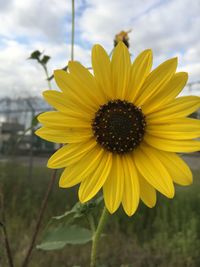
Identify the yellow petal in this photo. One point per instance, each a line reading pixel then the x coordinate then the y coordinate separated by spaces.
pixel 181 146
pixel 74 174
pixel 179 107
pixel 93 183
pixel 102 70
pixel 147 193
pixel 165 94
pixel 70 135
pixel 151 168
pixel 120 70
pixel 113 187
pixel 76 94
pixel 86 82
pixel 180 129
pixel 57 120
pixel 59 101
pixel 140 69
pixel 157 78
pixel 70 154
pixel 177 168
pixel 131 194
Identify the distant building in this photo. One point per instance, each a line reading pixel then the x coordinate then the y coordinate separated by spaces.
pixel 16 117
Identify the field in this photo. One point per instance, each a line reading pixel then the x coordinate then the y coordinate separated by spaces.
pixel 165 236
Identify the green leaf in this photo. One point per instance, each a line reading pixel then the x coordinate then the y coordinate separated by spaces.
pixel 45 59
pixel 57 238
pixel 65 215
pixel 68 214
pixel 35 121
pixel 68 227
pixel 35 55
pixel 87 208
pixel 51 245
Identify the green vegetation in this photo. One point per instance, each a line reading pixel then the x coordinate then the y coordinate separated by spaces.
pixel 165 236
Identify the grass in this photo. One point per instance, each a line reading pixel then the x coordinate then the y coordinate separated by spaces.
pixel 165 236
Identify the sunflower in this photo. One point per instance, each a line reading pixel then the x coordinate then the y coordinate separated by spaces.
pixel 121 128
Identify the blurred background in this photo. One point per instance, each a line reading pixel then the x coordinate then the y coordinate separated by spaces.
pixel 35 39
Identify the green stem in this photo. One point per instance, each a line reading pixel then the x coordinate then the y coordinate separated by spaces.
pixel 97 236
pixel 47 75
pixel 73 27
pixel 92 223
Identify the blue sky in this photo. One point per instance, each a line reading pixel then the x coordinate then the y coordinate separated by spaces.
pixel 169 27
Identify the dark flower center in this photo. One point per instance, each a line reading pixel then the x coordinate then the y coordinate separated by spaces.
pixel 119 126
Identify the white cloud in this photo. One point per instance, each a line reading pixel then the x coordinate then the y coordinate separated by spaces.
pixel 16 73
pixel 170 28
pixel 19 76
pixel 41 19
pixel 102 19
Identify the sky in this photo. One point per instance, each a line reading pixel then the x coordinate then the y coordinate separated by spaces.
pixel 169 27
